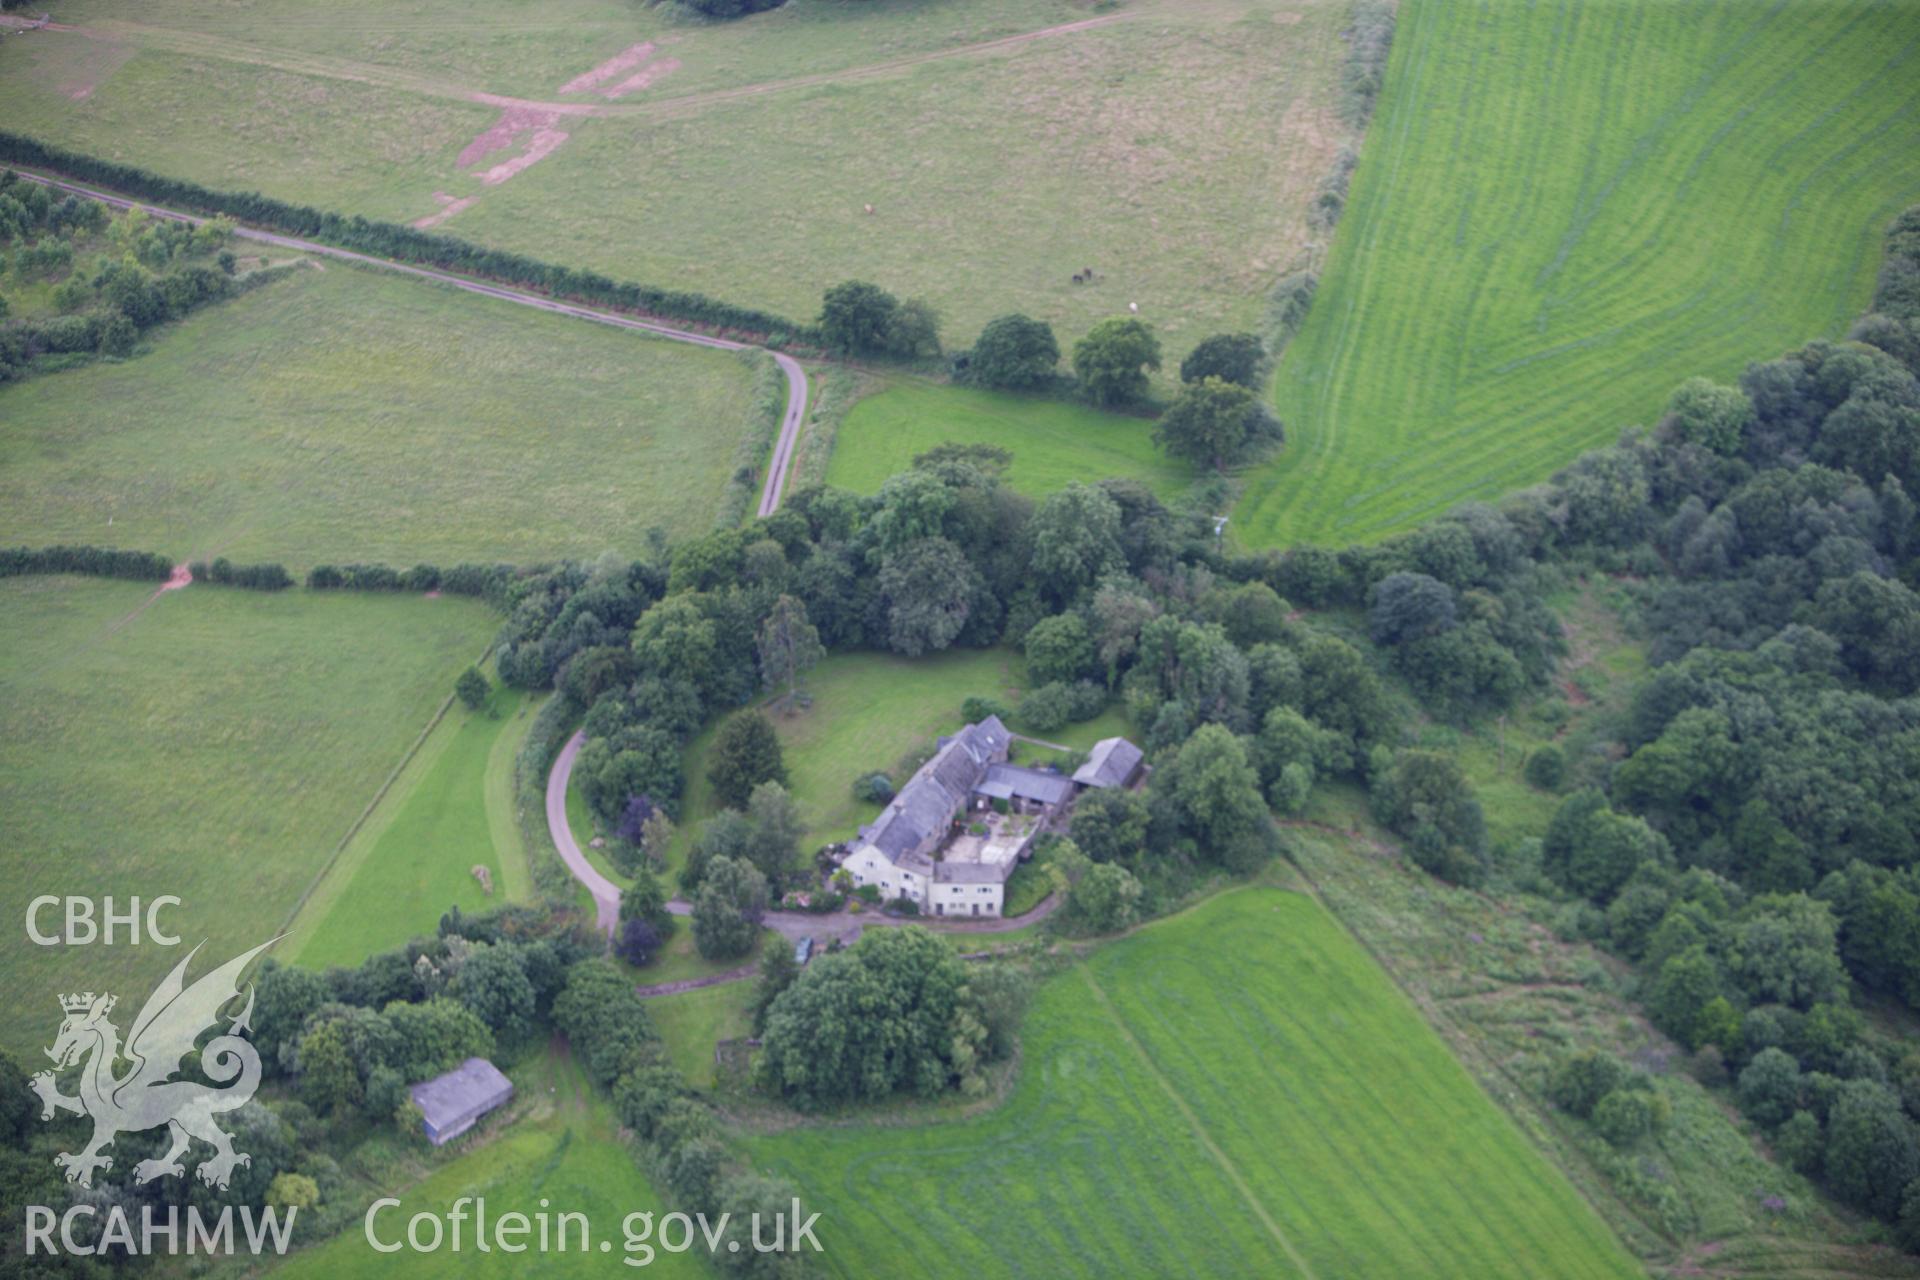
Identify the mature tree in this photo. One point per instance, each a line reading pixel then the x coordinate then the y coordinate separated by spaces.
pixel 1102 897
pixel 1291 752
pixel 1625 1116
pixel 638 761
pixel 1687 997
pixel 472 687
pixel 329 1081
pixel 493 983
pixel 1872 1153
pixel 637 942
pixel 656 833
pixel 1425 797
pixel 646 899
pixel 1581 1079
pixel 1410 606
pixel 1879 913
pixel 673 640
pixel 1110 824
pixel 891 1014
pixel 789 645
pixel 1253 614
pixel 1076 535
pixel 603 1017
pixel 929 589
pixel 778 969
pixel 283 998
pixel 774 846
pixel 1770 1086
pixel 1216 792
pixel 746 753
pixel 1014 351
pixel 1707 413
pixel 18 1109
pixel 727 834
pixel 1592 850
pixel 1193 664
pixel 1784 952
pixel 1112 361
pixel 1059 649
pixel 1209 423
pixel 728 908
pixel 1340 692
pixel 913 330
pixel 1231 357
pixel 855 318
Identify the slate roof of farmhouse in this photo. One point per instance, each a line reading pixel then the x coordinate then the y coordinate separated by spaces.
pixel 1110 763
pixel 1004 781
pixel 938 790
pixel 474 1086
pixel 972 872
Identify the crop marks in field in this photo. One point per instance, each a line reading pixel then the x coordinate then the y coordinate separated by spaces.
pixel 1563 211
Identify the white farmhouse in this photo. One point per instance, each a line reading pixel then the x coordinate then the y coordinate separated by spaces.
pixel 942 842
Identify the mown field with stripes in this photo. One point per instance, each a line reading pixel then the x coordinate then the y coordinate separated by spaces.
pixel 1173 1118
pixel 1562 211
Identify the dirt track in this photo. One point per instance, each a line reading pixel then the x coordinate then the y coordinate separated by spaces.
pixel 327 67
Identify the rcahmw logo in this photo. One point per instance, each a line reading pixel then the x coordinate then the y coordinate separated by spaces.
pixel 146 1096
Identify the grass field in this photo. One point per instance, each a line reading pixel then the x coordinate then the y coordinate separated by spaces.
pixel 1318 1128
pixel 561 1152
pixel 345 415
pixel 450 811
pixel 1053 442
pixel 692 1022
pixel 1174 147
pixel 1562 212
pixel 215 745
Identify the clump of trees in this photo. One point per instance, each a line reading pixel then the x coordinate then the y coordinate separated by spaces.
pixel 147 271
pixel 862 319
pixel 898 1012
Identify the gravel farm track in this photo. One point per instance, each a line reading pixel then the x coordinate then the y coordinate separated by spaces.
pixel 782 459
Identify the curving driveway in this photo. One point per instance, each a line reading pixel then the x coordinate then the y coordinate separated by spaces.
pixel 783 447
pixel 606 894
pixel 791 925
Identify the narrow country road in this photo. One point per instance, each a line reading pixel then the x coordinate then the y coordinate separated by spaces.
pixel 606 894
pixel 783 446
pixel 791 925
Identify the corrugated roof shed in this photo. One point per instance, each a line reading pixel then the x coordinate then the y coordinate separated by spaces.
pixel 450 1103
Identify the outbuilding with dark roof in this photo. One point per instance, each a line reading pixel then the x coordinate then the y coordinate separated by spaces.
pixel 451 1103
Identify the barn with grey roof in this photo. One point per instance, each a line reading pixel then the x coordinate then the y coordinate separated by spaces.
pixel 451 1103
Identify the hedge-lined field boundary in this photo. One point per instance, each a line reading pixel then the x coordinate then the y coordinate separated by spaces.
pixel 408 244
